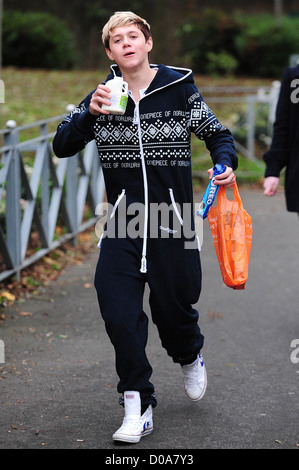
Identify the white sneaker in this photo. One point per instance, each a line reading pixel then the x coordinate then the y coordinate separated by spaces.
pixel 195 379
pixel 134 425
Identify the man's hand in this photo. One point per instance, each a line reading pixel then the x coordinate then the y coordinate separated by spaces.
pixel 226 179
pixel 270 185
pixel 101 96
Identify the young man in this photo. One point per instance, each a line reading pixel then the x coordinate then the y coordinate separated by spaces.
pixel 146 159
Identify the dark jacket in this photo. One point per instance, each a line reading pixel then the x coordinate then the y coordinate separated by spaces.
pixel 284 149
pixel 146 153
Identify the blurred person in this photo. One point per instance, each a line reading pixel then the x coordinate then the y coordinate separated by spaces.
pixel 146 158
pixel 284 149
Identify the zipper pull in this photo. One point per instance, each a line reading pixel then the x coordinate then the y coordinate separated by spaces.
pixel 143 268
pixel 136 115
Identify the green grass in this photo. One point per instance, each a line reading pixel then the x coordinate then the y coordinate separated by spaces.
pixel 31 95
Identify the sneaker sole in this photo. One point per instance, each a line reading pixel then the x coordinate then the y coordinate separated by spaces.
pixel 131 439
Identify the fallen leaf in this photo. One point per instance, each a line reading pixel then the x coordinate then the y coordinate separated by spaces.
pixel 25 314
pixel 214 315
pixel 84 236
pixel 87 285
pixel 49 260
pixel 8 296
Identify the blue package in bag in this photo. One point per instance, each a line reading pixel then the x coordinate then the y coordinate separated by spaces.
pixel 210 192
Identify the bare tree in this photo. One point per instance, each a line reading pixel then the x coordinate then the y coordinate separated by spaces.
pixel 278 11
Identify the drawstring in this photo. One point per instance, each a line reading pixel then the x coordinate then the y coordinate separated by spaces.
pixel 143 268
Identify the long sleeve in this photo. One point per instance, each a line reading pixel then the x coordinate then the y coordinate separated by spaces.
pixel 276 158
pixel 218 139
pixel 75 131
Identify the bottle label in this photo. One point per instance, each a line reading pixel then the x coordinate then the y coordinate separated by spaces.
pixel 123 101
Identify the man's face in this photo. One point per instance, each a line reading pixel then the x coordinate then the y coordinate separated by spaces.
pixel 128 47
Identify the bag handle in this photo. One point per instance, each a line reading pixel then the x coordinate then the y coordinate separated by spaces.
pixel 237 196
pixel 236 193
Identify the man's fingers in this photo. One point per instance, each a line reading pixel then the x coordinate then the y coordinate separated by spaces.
pixel 101 96
pixel 226 179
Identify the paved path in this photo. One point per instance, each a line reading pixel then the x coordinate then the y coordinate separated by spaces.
pixel 58 381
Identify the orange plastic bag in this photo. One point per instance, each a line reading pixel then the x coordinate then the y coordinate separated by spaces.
pixel 231 228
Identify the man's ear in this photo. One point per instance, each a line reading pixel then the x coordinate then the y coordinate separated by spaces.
pixel 109 54
pixel 149 43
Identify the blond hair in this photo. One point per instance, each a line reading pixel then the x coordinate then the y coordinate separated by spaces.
pixel 124 18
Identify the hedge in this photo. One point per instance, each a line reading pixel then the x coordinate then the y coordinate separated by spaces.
pixel 252 45
pixel 38 40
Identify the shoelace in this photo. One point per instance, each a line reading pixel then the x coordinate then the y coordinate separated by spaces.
pixel 135 423
pixel 191 374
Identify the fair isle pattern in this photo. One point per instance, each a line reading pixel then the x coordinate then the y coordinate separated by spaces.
pixel 160 138
pixel 161 131
pixel 117 142
pixel 112 135
pixel 168 140
pixel 117 136
pixel 203 121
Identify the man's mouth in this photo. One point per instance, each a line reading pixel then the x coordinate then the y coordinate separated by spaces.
pixel 129 54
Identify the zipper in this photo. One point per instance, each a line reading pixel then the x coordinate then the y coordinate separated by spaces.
pixel 143 268
pixel 117 203
pixel 175 206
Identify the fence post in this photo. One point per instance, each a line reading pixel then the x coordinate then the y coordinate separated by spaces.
pixel 45 187
pixel 273 99
pixel 250 127
pixel 13 196
pixel 71 193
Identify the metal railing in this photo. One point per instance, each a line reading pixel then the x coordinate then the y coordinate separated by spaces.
pixel 39 193
pixel 250 105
